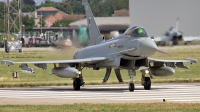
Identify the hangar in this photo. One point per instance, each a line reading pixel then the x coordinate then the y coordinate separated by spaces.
pixel 107 24
pixel 157 16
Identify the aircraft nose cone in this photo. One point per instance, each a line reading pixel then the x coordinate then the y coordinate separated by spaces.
pixel 147 47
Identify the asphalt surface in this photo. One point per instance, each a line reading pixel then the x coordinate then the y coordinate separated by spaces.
pixel 184 92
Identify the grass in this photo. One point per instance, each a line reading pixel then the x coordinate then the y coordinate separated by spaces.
pixel 139 107
pixel 42 77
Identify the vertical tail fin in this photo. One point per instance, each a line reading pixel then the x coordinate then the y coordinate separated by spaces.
pixel 93 29
pixel 177 22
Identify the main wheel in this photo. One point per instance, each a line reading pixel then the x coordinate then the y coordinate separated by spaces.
pixel 147 84
pixel 7 50
pixel 131 87
pixel 20 50
pixel 77 84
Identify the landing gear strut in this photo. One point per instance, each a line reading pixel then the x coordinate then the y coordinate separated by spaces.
pixel 107 75
pixel 131 73
pixel 146 81
pixel 118 75
pixel 78 82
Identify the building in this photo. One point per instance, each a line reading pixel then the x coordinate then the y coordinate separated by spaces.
pixel 52 15
pixel 157 16
pixel 107 24
pixel 43 11
pixel 121 13
pixel 52 18
pixel 46 10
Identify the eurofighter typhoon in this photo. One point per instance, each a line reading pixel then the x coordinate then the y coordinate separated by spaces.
pixel 129 51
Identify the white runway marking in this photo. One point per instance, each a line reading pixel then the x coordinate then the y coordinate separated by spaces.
pixel 170 92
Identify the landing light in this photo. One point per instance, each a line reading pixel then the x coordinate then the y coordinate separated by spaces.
pixel 79 72
pixel 146 71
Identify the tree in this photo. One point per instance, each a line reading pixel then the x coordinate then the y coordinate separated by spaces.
pixel 119 4
pixel 42 21
pixel 29 2
pixel 47 4
pixel 29 22
pixel 65 7
pixel 101 8
pixel 2 11
pixel 77 7
pixel 28 8
pixel 64 23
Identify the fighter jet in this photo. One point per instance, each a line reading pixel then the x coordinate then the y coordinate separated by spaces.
pixel 174 36
pixel 129 51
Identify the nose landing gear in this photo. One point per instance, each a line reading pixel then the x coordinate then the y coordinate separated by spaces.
pixel 131 73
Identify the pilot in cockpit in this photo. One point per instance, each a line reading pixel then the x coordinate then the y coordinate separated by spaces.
pixel 136 32
pixel 139 32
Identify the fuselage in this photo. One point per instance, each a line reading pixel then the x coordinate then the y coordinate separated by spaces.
pixel 127 44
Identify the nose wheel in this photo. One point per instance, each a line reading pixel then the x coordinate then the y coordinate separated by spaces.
pixel 131 87
pixel 131 73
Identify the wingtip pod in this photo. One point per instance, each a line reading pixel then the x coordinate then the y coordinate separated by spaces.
pixel 192 60
pixel 7 62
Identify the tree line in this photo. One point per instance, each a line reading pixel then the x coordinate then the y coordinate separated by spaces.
pixel 100 8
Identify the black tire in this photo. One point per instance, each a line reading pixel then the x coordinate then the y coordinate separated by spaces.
pixel 131 87
pixel 77 84
pixel 6 47
pixel 147 84
pixel 20 50
pixel 7 51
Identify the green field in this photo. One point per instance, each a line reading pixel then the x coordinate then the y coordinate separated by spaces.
pixel 136 107
pixel 42 77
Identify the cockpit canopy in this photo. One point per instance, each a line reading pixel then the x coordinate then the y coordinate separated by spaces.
pixel 136 31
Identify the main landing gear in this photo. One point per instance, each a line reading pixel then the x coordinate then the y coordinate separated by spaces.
pixel 117 72
pixel 146 81
pixel 78 82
